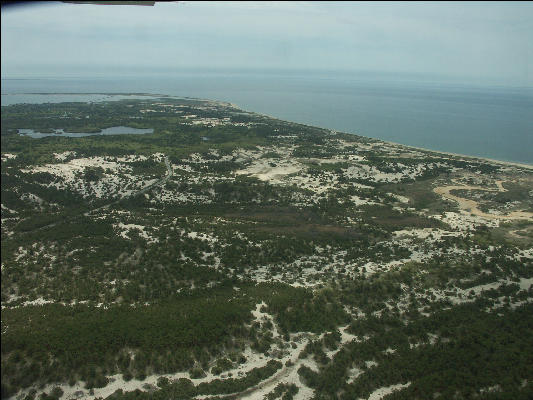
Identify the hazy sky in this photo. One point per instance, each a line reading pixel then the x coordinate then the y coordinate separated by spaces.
pixel 481 41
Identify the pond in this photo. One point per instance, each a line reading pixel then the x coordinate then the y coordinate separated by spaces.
pixel 114 130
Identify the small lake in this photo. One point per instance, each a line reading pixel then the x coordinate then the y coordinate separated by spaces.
pixel 114 130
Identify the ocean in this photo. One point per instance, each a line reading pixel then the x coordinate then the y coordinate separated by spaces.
pixel 482 121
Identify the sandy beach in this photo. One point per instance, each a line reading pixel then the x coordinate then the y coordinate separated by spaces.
pixel 473 158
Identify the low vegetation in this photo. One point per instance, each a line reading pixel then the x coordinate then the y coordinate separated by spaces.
pixel 228 254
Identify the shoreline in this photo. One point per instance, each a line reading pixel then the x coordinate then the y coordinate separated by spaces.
pixel 492 160
pixel 233 105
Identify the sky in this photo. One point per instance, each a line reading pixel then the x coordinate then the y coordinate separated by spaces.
pixel 490 41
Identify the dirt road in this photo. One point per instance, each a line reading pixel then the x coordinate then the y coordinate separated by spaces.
pixel 472 205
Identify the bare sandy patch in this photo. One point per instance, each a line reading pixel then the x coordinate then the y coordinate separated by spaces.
pixel 271 170
pixel 380 393
pixel 472 205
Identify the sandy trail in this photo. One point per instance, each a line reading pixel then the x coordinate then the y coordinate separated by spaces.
pixel 251 393
pixel 514 234
pixel 159 182
pixel 500 186
pixel 472 205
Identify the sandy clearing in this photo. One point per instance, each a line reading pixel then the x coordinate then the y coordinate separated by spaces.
pixel 499 184
pixel 64 155
pixel 32 198
pixel 37 302
pixel 133 158
pixel 370 172
pixel 358 201
pixel 464 221
pixel 514 233
pixel 353 374
pixel 423 233
pixel 526 253
pixel 124 230
pixel 464 295
pixel 201 236
pixel 68 170
pixel 318 185
pixel 288 375
pixel 116 180
pixel 472 206
pixel 378 394
pixel 400 198
pixel 8 156
pixel 345 336
pixel 9 210
pixel 271 170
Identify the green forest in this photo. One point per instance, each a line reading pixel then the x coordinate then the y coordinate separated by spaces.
pixel 230 254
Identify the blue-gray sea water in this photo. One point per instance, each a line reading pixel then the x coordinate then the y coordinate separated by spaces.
pixel 493 122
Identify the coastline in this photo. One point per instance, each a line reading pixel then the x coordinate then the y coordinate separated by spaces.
pixel 233 105
pixel 477 158
pixel 510 163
